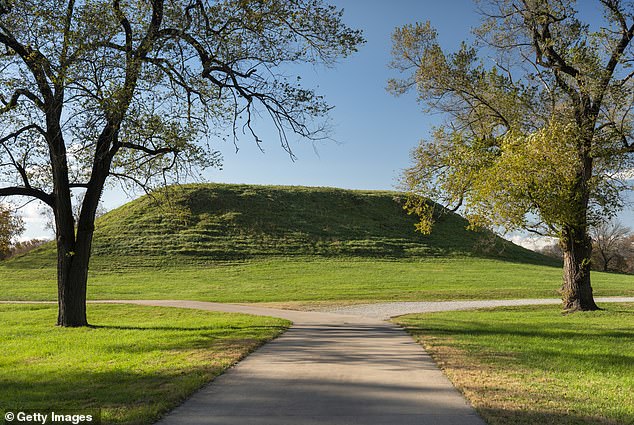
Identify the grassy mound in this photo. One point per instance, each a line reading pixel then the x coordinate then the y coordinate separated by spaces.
pixel 299 245
pixel 211 222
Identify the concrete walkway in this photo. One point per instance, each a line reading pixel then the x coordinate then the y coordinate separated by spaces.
pixel 386 311
pixel 327 369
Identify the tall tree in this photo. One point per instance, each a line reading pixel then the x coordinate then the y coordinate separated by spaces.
pixel 96 90
pixel 539 128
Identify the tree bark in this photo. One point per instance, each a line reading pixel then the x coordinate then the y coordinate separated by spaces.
pixel 74 259
pixel 576 289
pixel 605 265
pixel 72 276
pixel 73 266
pixel 71 285
pixel 71 279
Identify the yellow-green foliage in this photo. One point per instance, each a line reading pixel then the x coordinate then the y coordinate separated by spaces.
pixel 533 173
pixel 538 133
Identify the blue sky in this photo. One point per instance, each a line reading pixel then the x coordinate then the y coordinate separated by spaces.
pixel 372 131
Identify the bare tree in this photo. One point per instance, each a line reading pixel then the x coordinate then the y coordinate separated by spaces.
pixel 96 90
pixel 22 247
pixel 612 243
pixel 552 250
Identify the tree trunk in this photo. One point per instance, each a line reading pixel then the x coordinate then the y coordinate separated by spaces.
pixel 576 289
pixel 73 267
pixel 71 285
pixel 73 262
pixel 606 262
pixel 72 278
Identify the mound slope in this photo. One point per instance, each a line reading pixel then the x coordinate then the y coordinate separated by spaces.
pixel 211 222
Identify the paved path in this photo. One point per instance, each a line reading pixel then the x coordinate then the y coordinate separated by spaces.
pixel 346 367
pixel 327 369
pixel 385 311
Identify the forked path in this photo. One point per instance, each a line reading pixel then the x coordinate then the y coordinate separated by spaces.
pixel 331 368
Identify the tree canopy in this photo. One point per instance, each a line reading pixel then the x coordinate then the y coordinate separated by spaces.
pixel 539 130
pixel 138 91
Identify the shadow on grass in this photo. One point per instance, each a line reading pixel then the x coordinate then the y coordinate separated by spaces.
pixel 129 397
pixel 129 389
pixel 538 346
pixel 554 334
pixel 224 339
pixel 125 396
pixel 529 417
pixel 133 393
pixel 576 362
pixel 180 328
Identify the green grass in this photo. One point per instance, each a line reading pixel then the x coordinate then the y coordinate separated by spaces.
pixel 242 243
pixel 316 279
pixel 135 364
pixel 531 365
pixel 236 243
pixel 194 224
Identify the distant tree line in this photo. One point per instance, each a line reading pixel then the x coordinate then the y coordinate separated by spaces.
pixel 11 226
pixel 612 248
pixel 22 247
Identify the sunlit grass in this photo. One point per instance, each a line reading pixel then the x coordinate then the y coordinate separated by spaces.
pixel 316 279
pixel 135 363
pixel 206 223
pixel 531 365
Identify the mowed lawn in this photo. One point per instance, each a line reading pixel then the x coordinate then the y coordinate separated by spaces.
pixel 309 279
pixel 135 363
pixel 533 365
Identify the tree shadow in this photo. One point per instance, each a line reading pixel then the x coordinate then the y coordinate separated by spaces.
pixel 542 417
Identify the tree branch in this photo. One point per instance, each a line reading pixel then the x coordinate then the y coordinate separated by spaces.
pixel 39 66
pixel 28 191
pixel 23 130
pixel 147 150
pixel 12 103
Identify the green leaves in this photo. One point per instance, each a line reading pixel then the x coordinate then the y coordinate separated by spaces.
pixel 534 174
pixel 539 119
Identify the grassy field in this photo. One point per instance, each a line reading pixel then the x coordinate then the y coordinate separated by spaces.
pixel 307 279
pixel 242 243
pixel 135 363
pixel 531 365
